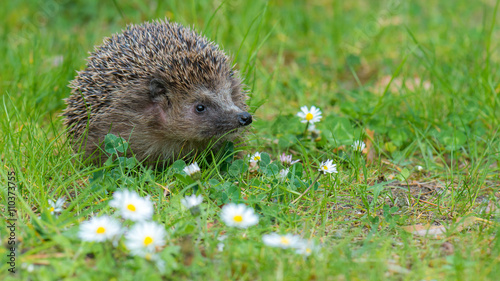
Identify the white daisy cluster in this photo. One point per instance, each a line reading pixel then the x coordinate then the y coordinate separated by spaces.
pixel 290 241
pixel 145 238
pixel 242 216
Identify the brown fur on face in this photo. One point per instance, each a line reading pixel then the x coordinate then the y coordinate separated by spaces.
pixel 162 87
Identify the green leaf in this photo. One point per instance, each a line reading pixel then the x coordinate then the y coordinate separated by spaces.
pixel 264 159
pixel 237 168
pixel 272 170
pixel 178 166
pixel 114 144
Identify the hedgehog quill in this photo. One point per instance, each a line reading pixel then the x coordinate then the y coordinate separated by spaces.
pixel 163 87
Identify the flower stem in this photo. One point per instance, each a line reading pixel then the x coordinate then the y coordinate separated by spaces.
pixel 305 131
pixel 312 184
pixel 204 192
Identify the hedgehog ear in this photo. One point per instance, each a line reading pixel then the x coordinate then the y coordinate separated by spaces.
pixel 157 90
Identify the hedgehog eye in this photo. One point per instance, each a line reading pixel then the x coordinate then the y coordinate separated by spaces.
pixel 200 108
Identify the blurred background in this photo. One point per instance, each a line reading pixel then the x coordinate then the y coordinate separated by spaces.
pixel 400 68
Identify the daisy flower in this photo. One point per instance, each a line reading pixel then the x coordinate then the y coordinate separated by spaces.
pixel 312 129
pixel 29 267
pixel 145 238
pixel 56 207
pixel 220 245
pixel 192 201
pixel 132 206
pixel 306 248
pixel 328 167
pixel 239 215
pixel 358 145
pixel 281 241
pixel 310 116
pixel 255 158
pixel 284 173
pixel 99 229
pixel 287 159
pixel 192 169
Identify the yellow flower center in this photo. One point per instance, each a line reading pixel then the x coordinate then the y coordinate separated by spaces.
pixel 308 250
pixel 101 230
pixel 238 218
pixel 52 209
pixel 131 207
pixel 325 168
pixel 257 158
pixel 285 241
pixel 148 240
pixel 309 116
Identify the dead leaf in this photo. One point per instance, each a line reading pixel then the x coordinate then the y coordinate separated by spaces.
pixel 393 267
pixel 447 249
pixel 370 152
pixel 490 208
pixel 187 249
pixel 439 231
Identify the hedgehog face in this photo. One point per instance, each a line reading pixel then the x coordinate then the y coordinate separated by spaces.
pixel 200 113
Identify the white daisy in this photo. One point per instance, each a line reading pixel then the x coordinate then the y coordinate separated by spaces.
pixel 99 229
pixel 328 167
pixel 132 206
pixel 56 207
pixel 192 201
pixel 420 168
pixel 306 248
pixel 28 266
pixel 145 238
pixel 310 116
pixel 255 158
pixel 192 169
pixel 239 215
pixel 284 173
pixel 358 145
pixel 282 241
pixel 312 128
pixel 220 246
pixel 287 159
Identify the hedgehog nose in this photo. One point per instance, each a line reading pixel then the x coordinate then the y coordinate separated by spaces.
pixel 245 118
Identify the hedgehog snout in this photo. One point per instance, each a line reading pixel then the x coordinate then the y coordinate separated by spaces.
pixel 244 118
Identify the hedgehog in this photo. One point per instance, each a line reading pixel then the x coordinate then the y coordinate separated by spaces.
pixel 166 89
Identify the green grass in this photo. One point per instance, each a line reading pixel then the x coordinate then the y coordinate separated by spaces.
pixel 417 80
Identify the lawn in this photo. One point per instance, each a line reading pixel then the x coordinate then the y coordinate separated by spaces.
pixel 418 82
